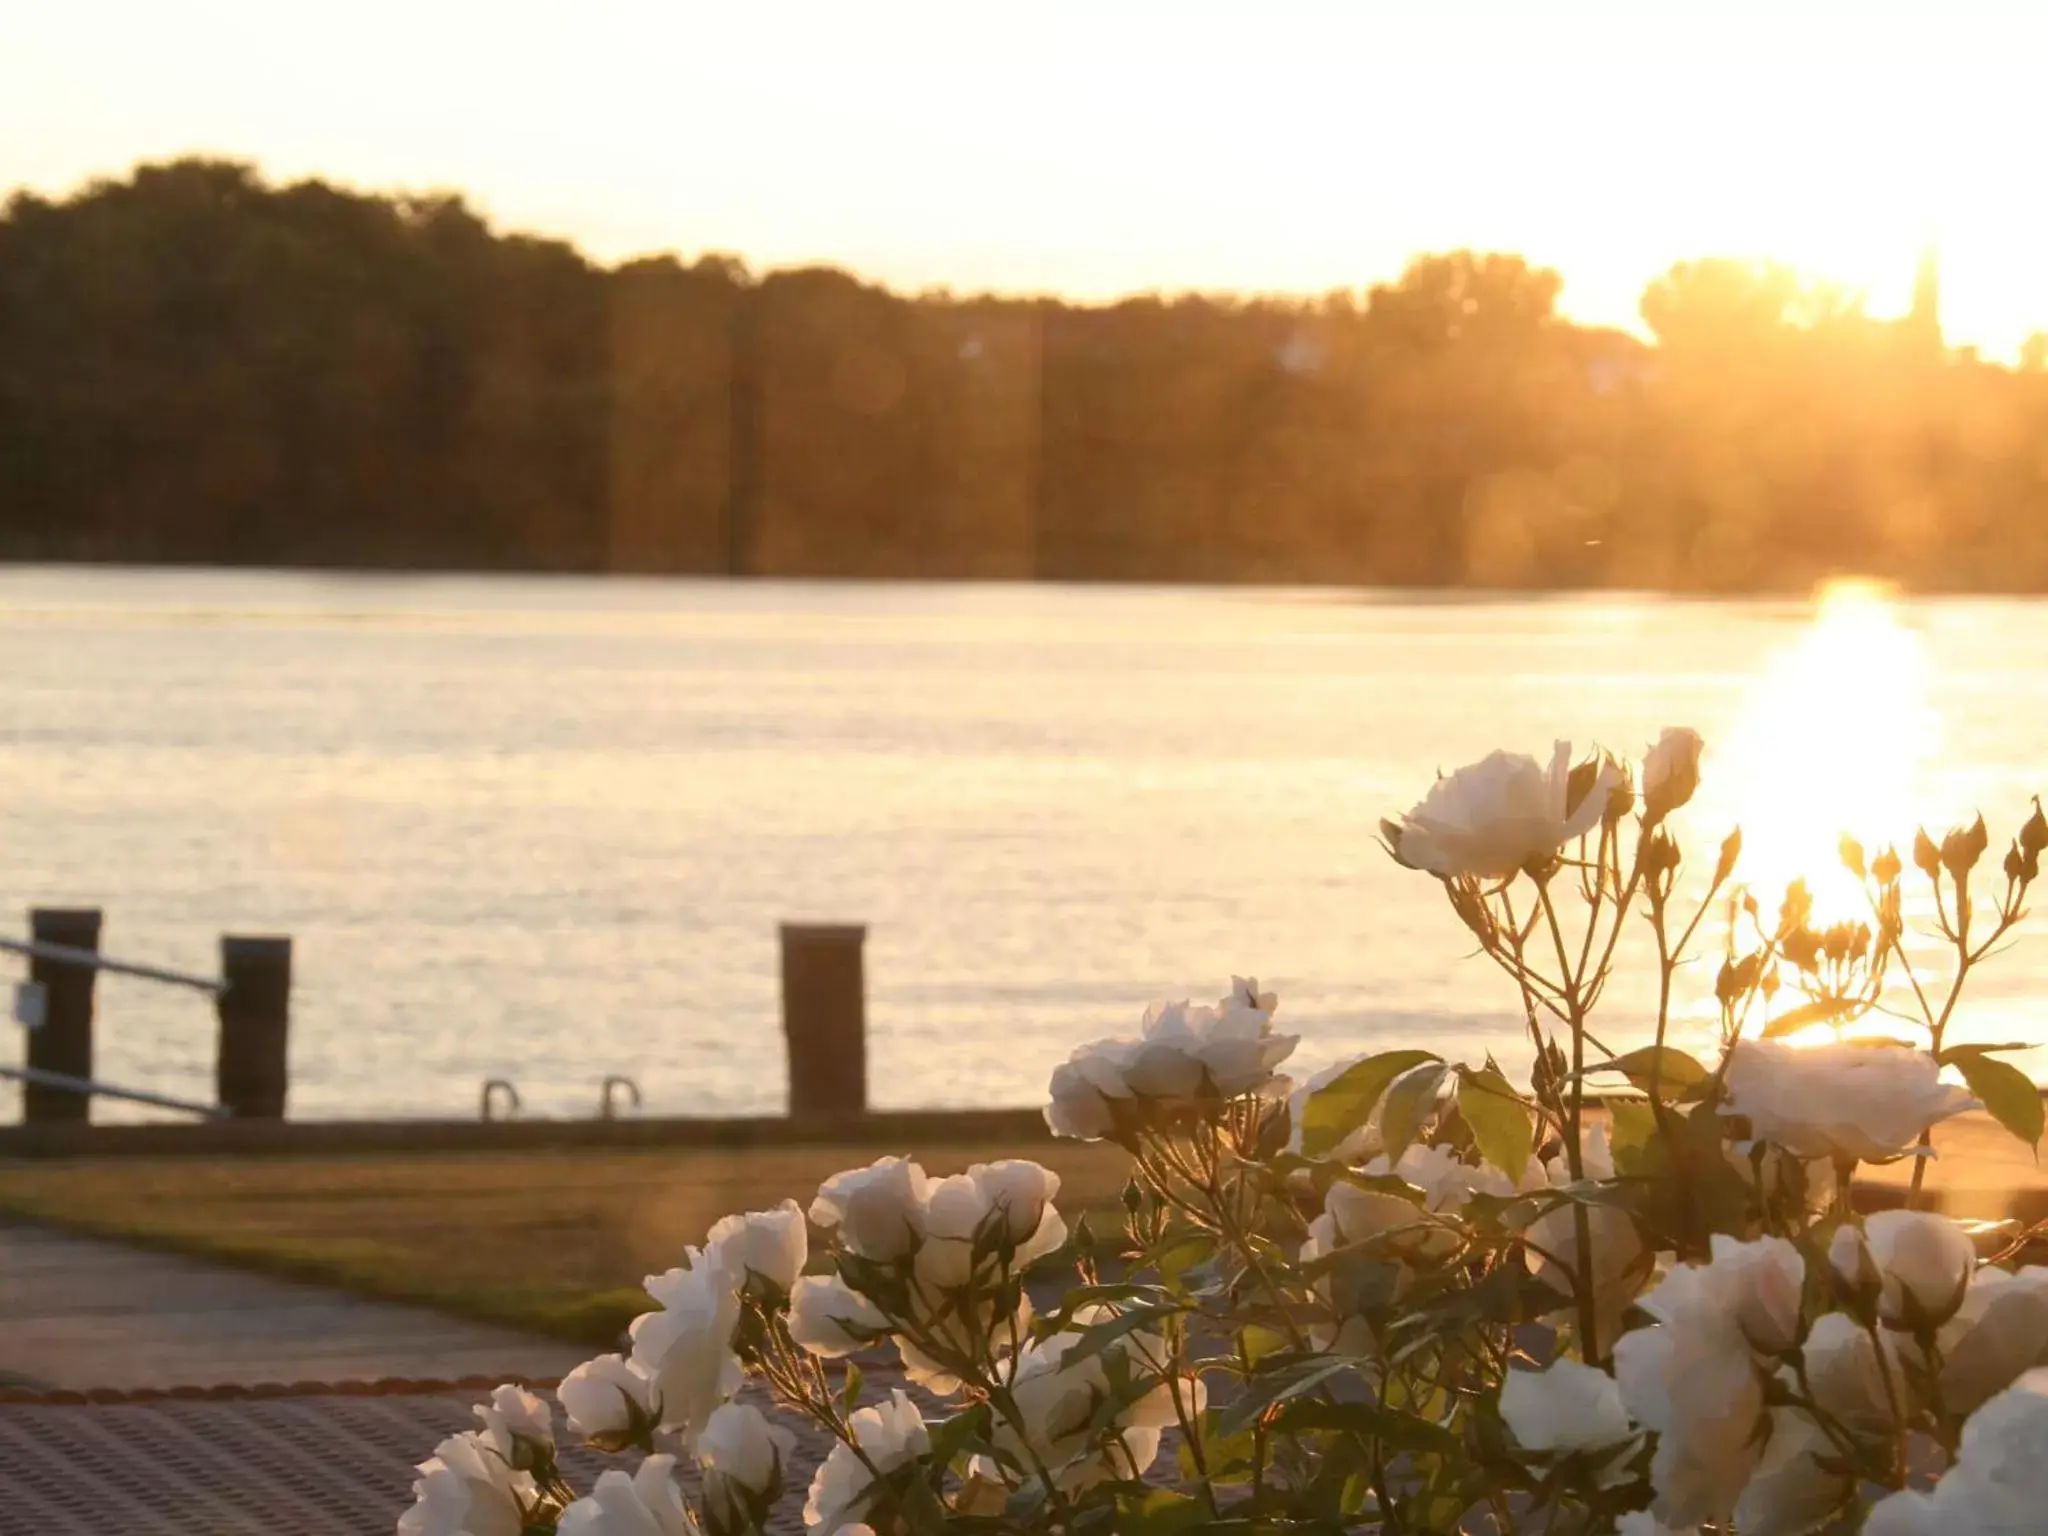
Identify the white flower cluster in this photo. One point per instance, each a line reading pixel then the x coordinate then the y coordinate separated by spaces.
pixel 1727 1345
pixel 933 1265
pixel 1999 1483
pixel 677 1383
pixel 956 1245
pixel 1185 1052
pixel 481 1482
pixel 1727 1330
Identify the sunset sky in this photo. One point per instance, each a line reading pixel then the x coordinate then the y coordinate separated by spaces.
pixel 1094 149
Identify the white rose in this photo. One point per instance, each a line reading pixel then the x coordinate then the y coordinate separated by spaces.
pixel 1764 1280
pixel 1393 1226
pixel 2000 1330
pixel 1846 1375
pixel 646 1503
pixel 1867 1101
pixel 1791 1493
pixel 687 1345
pixel 601 1397
pixel 1926 1261
pixel 1184 1050
pixel 1621 1266
pixel 1770 1170
pixel 1849 1257
pixel 1059 1391
pixel 1161 1063
pixel 830 1318
pixel 1566 1407
pixel 518 1426
pixel 1999 1483
pixel 1023 1191
pixel 1671 771
pixel 1079 1108
pixel 743 1455
pixel 957 1207
pixel 467 1489
pixel 772 1244
pixel 878 1210
pixel 1446 1180
pixel 1392 1231
pixel 1596 1158
pixel 1498 816
pixel 1908 1514
pixel 1693 1381
pixel 975 1331
pixel 891 1435
pixel 1235 1041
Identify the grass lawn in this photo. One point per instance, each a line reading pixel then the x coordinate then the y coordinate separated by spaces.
pixel 558 1241
pixel 553 1241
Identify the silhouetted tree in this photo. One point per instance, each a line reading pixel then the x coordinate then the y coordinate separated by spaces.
pixel 197 366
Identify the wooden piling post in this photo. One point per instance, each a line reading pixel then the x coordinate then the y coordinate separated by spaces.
pixel 64 1043
pixel 824 1019
pixel 255 1023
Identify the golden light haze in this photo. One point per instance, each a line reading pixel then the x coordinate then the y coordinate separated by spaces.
pixel 1097 149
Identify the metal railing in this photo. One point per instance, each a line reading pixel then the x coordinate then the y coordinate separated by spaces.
pixel 34 1010
pixel 64 1082
pixel 92 959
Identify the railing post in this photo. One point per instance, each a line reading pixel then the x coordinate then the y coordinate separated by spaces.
pixel 255 1022
pixel 64 1043
pixel 824 1018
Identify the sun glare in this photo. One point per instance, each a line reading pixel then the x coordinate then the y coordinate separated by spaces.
pixel 1833 739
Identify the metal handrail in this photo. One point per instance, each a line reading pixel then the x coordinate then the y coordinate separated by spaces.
pixel 71 954
pixel 485 1098
pixel 605 1111
pixel 42 1077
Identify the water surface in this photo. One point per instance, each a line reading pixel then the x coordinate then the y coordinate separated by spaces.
pixel 545 828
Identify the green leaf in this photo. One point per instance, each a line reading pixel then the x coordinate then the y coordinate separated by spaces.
pixel 1955 1053
pixel 1160 1512
pixel 1499 1119
pixel 1679 1076
pixel 849 1393
pixel 1182 1253
pixel 963 1432
pixel 1260 1341
pixel 1368 1421
pixel 1821 1010
pixel 1228 1458
pixel 1302 1373
pixel 1346 1102
pixel 1409 1102
pixel 2007 1092
pixel 1631 1132
pixel 1097 1337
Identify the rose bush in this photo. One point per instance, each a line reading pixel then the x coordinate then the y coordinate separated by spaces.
pixel 1633 1295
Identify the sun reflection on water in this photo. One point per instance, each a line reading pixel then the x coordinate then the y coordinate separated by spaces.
pixel 1835 738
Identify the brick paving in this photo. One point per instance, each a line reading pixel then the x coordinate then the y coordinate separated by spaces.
pixel 324 1463
pixel 148 1394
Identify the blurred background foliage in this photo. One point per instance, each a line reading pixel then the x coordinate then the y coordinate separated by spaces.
pixel 198 367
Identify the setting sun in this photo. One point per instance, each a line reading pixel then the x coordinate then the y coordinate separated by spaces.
pixel 1833 739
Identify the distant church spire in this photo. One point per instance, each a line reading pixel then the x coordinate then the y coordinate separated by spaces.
pixel 1924 319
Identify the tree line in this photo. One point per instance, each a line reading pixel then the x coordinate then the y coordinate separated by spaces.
pixel 196 366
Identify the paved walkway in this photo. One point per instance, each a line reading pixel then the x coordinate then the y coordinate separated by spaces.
pixel 78 1313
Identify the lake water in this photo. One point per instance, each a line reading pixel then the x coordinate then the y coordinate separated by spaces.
pixel 545 829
